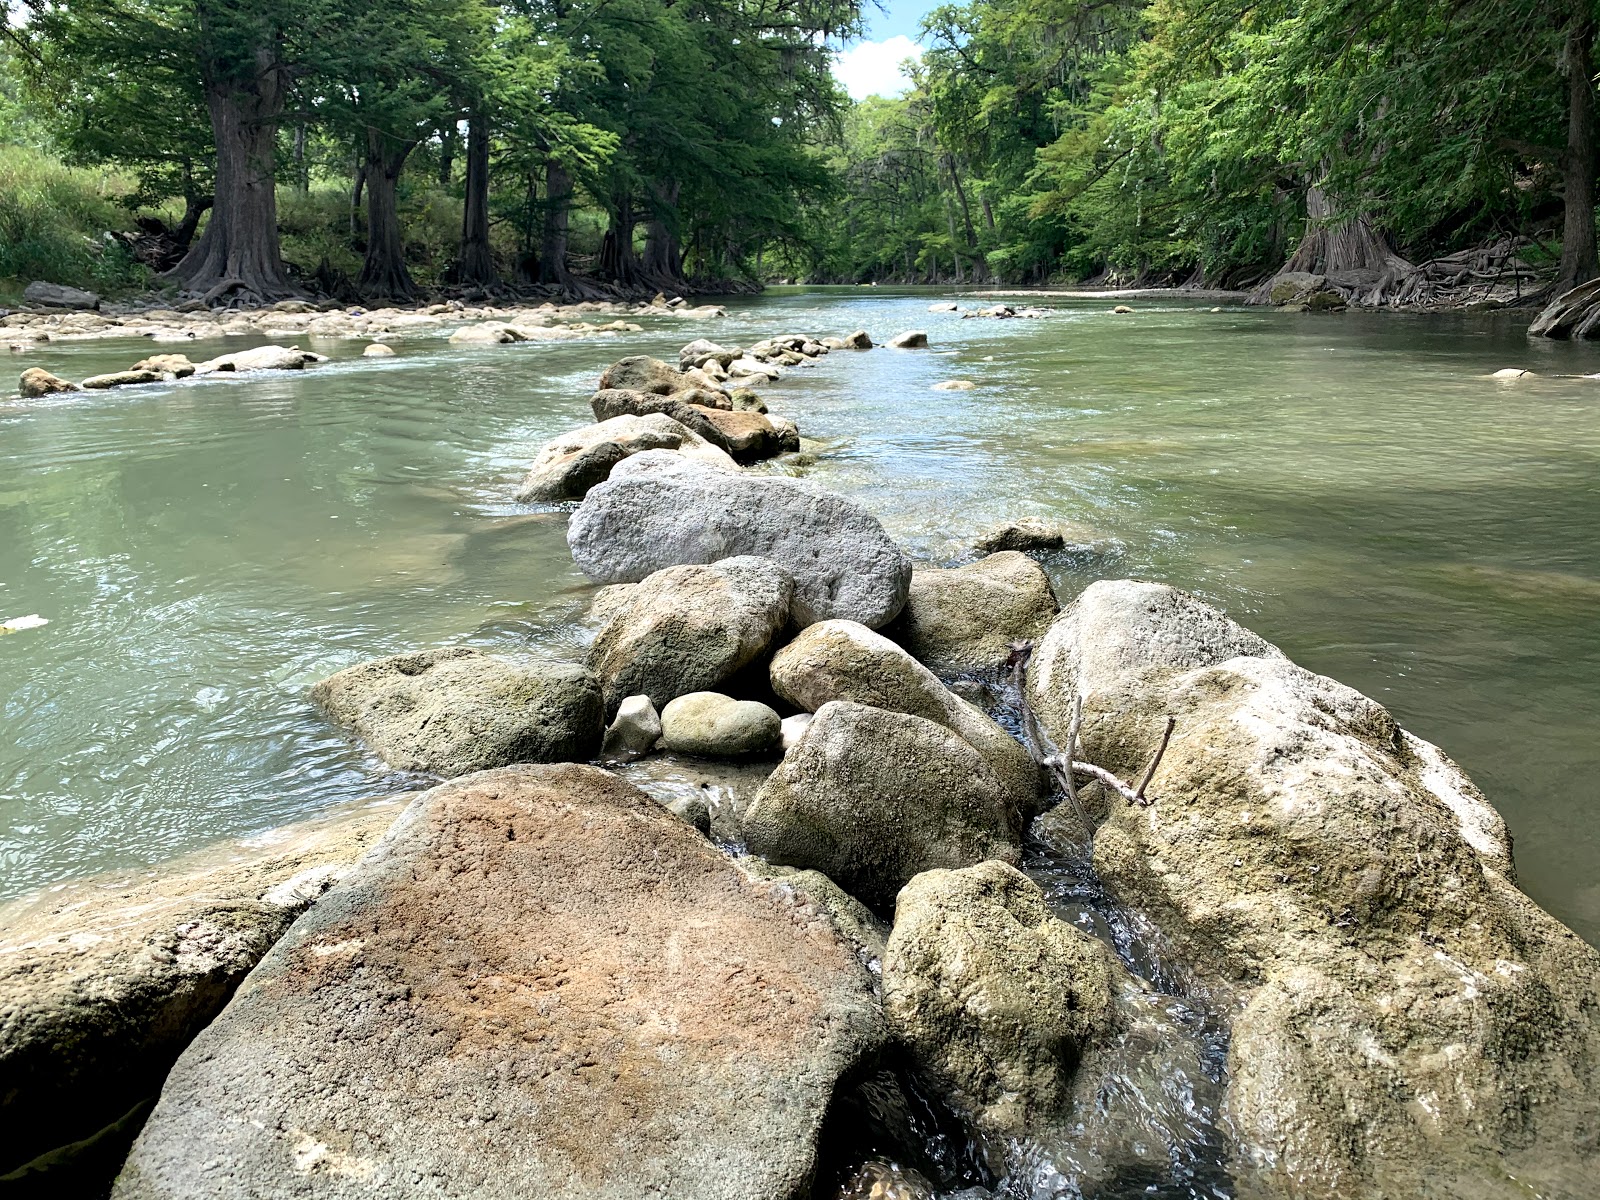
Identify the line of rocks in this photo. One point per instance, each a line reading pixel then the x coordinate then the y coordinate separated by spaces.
pixel 543 981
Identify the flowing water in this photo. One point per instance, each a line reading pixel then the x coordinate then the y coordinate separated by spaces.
pixel 1352 486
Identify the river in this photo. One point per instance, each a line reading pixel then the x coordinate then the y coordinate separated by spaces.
pixel 1350 485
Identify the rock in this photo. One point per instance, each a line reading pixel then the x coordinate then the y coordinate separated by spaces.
pixel 964 620
pixel 794 728
pixel 614 402
pixel 856 923
pixel 97 383
pixel 685 784
pixel 1292 287
pixel 912 339
pixel 1035 535
pixel 753 369
pixel 657 510
pixel 378 350
pixel 955 385
pixel 641 373
pixel 1346 893
pixel 484 335
pixel 944 308
pixel 997 999
pixel 744 400
pixel 841 660
pixel 455 710
pixel 173 366
pixel 541 984
pixel 262 358
pixel 36 382
pixel 1510 373
pixel 690 628
pixel 567 467
pixel 633 733
pixel 854 341
pixel 1326 300
pixel 1122 309
pixel 55 295
pixel 871 798
pixel 879 1179
pixel 701 351
pixel 716 726
pixel 748 436
pixel 104 981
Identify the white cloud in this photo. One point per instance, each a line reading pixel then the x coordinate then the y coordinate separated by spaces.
pixel 873 68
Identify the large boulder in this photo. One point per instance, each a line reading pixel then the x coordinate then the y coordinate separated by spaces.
pixel 641 373
pixel 262 358
pixel 749 436
pixel 1404 1018
pixel 871 798
pixel 103 982
pixel 455 710
pixel 567 467
pixel 114 379
pixel 540 984
pixel 842 660
pixel 658 510
pixel 996 998
pixel 56 295
pixel 36 382
pixel 963 621
pixel 688 629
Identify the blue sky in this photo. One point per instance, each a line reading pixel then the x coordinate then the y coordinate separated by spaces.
pixel 872 66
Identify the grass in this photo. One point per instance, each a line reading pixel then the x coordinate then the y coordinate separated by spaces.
pixel 55 225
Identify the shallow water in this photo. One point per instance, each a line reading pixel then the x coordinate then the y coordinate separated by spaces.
pixel 1349 485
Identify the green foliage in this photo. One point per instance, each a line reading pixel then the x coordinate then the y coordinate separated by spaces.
pixel 54 221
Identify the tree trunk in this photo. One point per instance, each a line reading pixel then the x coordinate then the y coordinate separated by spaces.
pixel 617 261
pixel 449 143
pixel 1353 256
pixel 302 169
pixel 383 271
pixel 558 210
pixel 237 258
pixel 663 260
pixel 1578 260
pixel 194 207
pixel 477 259
pixel 356 191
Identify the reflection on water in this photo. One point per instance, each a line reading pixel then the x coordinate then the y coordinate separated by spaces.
pixel 1350 485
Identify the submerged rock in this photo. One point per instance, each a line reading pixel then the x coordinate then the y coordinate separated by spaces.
pixel 103 982
pixel 172 366
pixel 567 467
pixel 871 798
pixel 659 511
pixel 716 726
pixel 996 998
pixel 36 382
pixel 954 385
pixel 455 710
pixel 964 620
pixel 688 629
pixel 1406 1021
pixel 541 984
pixel 911 339
pixel 378 350
pixel 842 660
pixel 97 383
pixel 262 358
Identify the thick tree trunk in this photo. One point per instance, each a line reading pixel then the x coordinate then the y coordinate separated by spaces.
pixel 663 258
pixel 357 190
pixel 477 259
pixel 237 258
pixel 617 261
pixel 1353 256
pixel 1578 259
pixel 557 213
pixel 383 271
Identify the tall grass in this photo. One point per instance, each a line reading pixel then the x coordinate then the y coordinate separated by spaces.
pixel 53 225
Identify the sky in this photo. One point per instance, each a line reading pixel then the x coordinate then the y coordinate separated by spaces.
pixel 872 66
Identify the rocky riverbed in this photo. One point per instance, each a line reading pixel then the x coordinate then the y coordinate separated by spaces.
pixel 735 910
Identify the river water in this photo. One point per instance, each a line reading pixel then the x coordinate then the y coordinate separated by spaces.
pixel 1350 485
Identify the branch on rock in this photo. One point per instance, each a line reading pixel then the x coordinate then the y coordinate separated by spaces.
pixel 1063 765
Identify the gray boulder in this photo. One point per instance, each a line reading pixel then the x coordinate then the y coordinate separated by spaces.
pixel 1348 893
pixel 633 733
pixel 701 351
pixel 104 981
pixel 911 339
pixel 859 340
pixel 168 366
pixel 262 358
pixel 540 984
pixel 964 620
pixel 871 798
pixel 567 467
pixel 56 295
pixel 455 710
pixel 98 383
pixel 36 382
pixel 712 725
pixel 997 999
pixel 856 923
pixel 1036 535
pixel 641 373
pixel 688 629
pixel 842 660
pixel 658 510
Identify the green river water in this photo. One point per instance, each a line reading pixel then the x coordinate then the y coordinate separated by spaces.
pixel 1351 486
